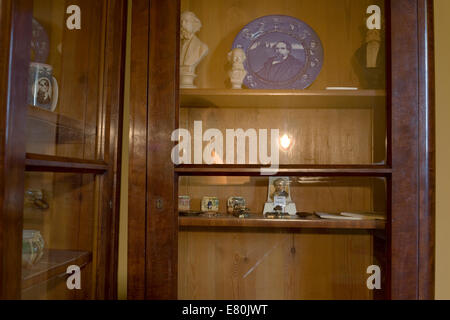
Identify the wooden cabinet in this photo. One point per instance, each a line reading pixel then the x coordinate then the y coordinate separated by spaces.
pixel 62 87
pixel 369 149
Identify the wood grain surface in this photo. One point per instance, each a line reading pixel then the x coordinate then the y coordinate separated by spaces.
pixel 15 39
pixel 273 265
pixel 137 173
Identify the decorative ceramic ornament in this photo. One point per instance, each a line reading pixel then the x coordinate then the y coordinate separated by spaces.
pixel 210 204
pixel 282 53
pixel 235 203
pixel 184 203
pixel 42 86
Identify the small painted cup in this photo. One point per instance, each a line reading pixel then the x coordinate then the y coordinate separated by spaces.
pixel 42 86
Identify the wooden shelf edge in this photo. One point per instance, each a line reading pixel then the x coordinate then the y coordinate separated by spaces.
pixel 254 92
pixel 232 222
pixel 246 98
pixel 52 264
pixel 46 163
pixel 231 170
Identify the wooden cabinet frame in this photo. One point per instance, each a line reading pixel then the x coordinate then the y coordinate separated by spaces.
pixel 15 39
pixel 153 232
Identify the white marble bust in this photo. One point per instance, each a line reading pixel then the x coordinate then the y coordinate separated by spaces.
pixel 192 49
pixel 237 73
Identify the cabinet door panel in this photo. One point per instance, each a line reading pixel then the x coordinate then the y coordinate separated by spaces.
pixel 247 106
pixel 66 73
pixel 60 220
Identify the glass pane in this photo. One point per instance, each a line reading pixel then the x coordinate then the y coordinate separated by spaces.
pixel 239 240
pixel 64 82
pixel 283 83
pixel 310 70
pixel 59 232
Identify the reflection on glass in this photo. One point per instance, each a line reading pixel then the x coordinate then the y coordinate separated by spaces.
pixel 59 221
pixel 64 76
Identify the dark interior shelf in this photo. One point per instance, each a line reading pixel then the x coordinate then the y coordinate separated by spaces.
pixel 260 222
pixel 247 98
pixel 284 170
pixel 52 264
pixel 38 162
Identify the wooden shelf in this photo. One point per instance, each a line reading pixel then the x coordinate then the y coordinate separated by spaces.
pixel 228 221
pixel 46 163
pixel 217 98
pixel 285 170
pixel 53 263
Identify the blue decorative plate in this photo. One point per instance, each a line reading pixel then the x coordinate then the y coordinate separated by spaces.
pixel 282 53
pixel 40 43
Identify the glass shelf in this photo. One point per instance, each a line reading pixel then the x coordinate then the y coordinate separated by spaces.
pixel 52 264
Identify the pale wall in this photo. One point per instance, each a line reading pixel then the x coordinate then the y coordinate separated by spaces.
pixel 442 43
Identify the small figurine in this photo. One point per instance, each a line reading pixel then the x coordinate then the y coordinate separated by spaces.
pixel 241 212
pixel 33 245
pixel 210 205
pixel 237 73
pixel 36 198
pixel 192 49
pixel 237 207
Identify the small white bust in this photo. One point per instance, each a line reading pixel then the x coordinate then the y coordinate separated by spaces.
pixel 192 49
pixel 237 73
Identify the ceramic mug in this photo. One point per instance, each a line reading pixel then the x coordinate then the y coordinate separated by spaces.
pixel 42 86
pixel 32 247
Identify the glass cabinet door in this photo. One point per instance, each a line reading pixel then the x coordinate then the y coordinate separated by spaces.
pixel 65 92
pixel 297 87
pixel 60 219
pixel 71 123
